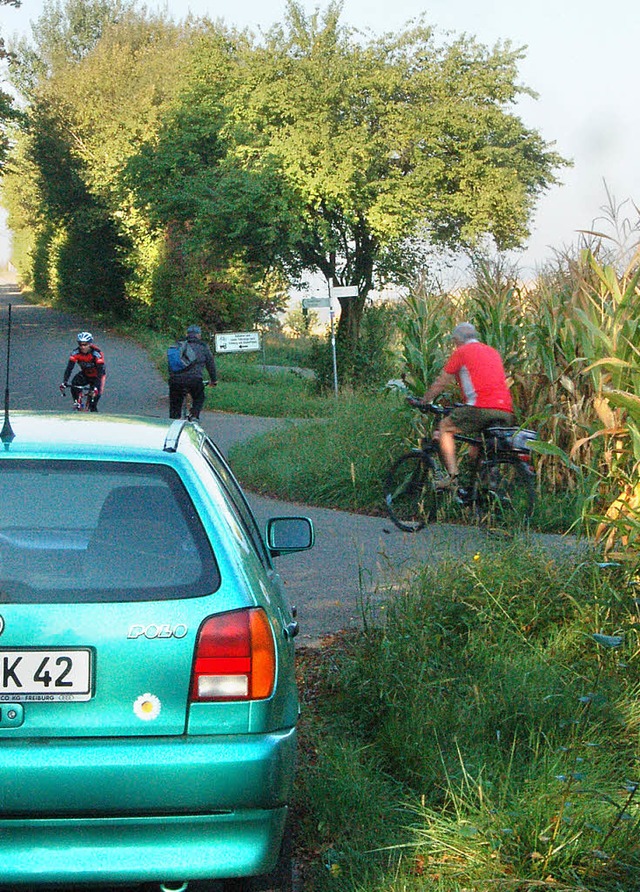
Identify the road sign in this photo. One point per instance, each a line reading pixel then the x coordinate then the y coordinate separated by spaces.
pixel 344 291
pixel 237 341
pixel 310 302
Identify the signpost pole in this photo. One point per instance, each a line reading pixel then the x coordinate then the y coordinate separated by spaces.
pixel 336 292
pixel 333 348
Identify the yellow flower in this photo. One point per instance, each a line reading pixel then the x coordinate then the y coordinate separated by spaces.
pixel 476 556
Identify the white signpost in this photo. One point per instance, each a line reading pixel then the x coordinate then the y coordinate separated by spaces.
pixel 339 291
pixel 237 341
pixel 336 292
pixel 312 302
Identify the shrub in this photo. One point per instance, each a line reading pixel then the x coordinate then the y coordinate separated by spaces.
pixel 501 692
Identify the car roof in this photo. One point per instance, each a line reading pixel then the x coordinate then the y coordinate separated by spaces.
pixel 53 433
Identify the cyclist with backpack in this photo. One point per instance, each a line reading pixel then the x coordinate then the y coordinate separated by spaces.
pixel 187 361
pixel 90 360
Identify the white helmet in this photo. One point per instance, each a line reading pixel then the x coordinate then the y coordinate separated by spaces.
pixel 85 337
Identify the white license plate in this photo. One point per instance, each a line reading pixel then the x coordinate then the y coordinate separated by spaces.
pixel 45 674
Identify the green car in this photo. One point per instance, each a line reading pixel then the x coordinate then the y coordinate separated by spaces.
pixel 148 704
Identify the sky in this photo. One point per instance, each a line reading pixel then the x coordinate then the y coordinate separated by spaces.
pixel 581 59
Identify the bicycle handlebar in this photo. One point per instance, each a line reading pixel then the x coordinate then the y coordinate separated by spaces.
pixel 434 408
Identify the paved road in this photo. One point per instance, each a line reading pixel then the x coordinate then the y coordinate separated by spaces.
pixel 356 562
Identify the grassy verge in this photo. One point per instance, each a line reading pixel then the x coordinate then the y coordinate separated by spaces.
pixel 340 461
pixel 483 738
pixel 245 386
pixel 336 462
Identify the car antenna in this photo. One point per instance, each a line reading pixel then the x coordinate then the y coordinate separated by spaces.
pixel 7 434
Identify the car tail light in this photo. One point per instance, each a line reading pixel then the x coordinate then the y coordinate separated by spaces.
pixel 235 657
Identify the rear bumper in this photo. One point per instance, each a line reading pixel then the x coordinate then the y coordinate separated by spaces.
pixel 137 776
pixel 143 809
pixel 133 850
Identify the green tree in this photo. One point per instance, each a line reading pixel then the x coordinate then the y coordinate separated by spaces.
pixel 64 34
pixel 82 238
pixel 226 217
pixel 388 144
pixel 94 112
pixel 8 111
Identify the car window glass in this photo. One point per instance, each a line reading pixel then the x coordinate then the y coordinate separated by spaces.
pixel 99 531
pixel 237 499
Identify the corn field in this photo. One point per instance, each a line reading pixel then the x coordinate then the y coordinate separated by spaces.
pixel 571 347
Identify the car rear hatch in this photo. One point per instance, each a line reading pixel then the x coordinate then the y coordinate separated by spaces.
pixel 106 574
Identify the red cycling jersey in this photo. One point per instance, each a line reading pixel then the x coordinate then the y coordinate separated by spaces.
pixel 91 363
pixel 479 371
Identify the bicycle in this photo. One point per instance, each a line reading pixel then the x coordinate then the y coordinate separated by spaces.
pixel 187 405
pixel 497 488
pixel 87 392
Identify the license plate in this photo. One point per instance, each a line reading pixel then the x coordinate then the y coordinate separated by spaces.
pixel 45 674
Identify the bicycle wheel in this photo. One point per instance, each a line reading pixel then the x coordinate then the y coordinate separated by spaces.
pixel 505 493
pixel 409 494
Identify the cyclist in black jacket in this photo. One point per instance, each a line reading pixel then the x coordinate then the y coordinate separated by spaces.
pixel 190 380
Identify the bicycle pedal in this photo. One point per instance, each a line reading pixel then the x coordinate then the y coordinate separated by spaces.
pixel 463 496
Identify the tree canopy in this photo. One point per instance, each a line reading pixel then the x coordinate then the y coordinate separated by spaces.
pixel 388 139
pixel 233 163
pixel 8 111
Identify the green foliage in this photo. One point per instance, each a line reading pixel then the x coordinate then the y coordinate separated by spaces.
pixel 87 116
pixel 356 442
pixel 390 138
pixel 366 365
pixel 358 438
pixel 282 349
pixel 9 114
pixel 245 387
pixel 499 696
pixel 92 280
pixel 65 33
pixel 253 159
pixel 87 268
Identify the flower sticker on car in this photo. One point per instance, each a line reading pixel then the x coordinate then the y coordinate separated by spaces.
pixel 147 707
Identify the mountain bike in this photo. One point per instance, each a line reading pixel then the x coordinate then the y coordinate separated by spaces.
pixel 83 401
pixel 496 489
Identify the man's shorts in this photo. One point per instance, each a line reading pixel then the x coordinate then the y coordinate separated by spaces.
pixel 470 420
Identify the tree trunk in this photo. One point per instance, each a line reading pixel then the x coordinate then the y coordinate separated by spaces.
pixel 351 309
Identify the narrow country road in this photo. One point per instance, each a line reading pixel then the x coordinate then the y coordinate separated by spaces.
pixel 357 560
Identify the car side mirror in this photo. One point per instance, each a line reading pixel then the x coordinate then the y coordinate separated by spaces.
pixel 288 534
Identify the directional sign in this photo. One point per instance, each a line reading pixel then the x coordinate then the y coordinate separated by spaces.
pixel 237 342
pixel 309 302
pixel 344 291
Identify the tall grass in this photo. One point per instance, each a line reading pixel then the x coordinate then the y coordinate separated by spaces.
pixel 499 704
pixel 337 462
pixel 340 461
pixel 247 387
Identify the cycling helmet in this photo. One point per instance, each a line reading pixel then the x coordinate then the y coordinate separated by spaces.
pixel 85 337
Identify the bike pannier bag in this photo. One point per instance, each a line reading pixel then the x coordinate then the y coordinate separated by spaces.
pixel 522 439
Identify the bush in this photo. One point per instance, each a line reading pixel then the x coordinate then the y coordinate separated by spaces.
pixel 500 694
pixel 369 363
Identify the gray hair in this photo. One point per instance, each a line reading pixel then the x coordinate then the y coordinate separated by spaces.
pixel 464 332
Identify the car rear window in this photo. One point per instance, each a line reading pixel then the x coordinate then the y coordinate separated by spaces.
pixel 99 531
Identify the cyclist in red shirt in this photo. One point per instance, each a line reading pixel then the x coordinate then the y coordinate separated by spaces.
pixel 90 359
pixel 479 372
